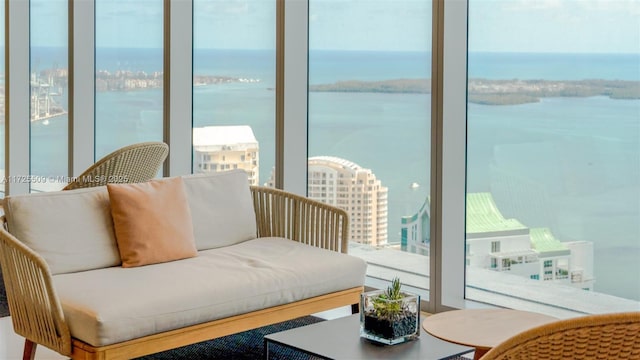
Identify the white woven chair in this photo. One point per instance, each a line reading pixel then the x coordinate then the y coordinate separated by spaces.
pixel 131 164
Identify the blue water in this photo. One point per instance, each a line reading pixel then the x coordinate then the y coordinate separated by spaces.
pixel 570 164
pixel 549 66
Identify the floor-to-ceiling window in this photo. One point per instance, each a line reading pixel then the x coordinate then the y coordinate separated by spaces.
pixel 560 174
pixel 369 128
pixel 129 73
pixel 553 155
pixel 49 101
pixel 233 93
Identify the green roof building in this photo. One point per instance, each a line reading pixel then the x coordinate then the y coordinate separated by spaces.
pixel 485 220
pixel 504 244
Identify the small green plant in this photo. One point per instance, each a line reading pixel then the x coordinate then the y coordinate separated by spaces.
pixel 390 316
pixel 387 304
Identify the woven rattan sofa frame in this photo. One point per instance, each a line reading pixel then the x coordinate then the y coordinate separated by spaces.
pixel 37 314
pixel 605 336
pixel 130 164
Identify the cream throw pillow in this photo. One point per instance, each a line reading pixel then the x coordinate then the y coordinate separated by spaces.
pixel 152 222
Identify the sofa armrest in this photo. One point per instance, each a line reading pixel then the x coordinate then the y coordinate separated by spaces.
pixel 35 310
pixel 283 214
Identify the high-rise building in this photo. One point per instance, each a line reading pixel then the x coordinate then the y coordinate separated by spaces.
pixel 415 231
pixel 221 148
pixel 356 190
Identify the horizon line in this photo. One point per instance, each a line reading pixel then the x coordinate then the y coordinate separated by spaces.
pixel 366 50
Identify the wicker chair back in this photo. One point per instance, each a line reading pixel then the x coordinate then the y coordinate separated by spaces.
pixel 131 164
pixel 605 336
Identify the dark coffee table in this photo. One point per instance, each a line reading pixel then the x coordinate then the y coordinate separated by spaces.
pixel 340 339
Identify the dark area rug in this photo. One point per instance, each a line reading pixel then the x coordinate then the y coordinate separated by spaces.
pixel 246 345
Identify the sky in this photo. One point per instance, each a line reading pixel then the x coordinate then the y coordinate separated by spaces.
pixel 586 26
pixel 591 26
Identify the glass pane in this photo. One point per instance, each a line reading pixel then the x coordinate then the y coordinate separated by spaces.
pixel 553 186
pixel 129 70
pixel 234 79
pixel 49 101
pixel 369 128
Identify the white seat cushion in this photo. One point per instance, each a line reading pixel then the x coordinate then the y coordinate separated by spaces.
pixel 111 305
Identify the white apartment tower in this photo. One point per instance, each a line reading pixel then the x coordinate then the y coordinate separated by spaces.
pixel 356 190
pixel 222 148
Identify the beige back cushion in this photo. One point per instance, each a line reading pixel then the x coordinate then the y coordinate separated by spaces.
pixel 221 208
pixel 71 230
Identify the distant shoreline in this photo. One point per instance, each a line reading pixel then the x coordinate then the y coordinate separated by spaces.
pixel 480 91
pixel 498 92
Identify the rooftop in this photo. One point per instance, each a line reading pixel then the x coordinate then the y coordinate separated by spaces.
pixel 332 160
pixel 483 216
pixel 543 241
pixel 223 135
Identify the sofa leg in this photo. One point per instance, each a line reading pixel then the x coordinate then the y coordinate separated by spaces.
pixel 355 308
pixel 29 350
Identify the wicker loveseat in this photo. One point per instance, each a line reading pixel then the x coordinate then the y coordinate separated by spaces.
pixel 263 256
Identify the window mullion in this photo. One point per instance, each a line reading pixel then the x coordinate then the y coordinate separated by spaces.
pixel 17 95
pixel 453 158
pixel 178 89
pixel 294 75
pixel 81 86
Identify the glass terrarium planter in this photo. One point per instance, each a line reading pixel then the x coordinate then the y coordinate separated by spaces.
pixel 389 321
